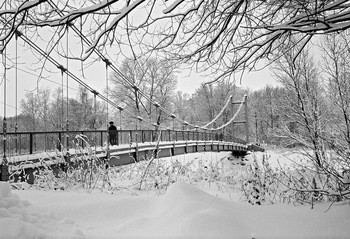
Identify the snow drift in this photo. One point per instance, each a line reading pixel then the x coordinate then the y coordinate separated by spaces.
pixel 184 211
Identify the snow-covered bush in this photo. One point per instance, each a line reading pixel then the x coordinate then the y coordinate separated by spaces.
pixel 258 182
pixel 83 170
pixel 299 183
pixel 158 174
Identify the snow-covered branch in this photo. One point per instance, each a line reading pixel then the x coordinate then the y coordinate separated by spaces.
pixel 223 36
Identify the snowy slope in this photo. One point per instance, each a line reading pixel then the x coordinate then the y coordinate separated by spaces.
pixel 203 209
pixel 184 211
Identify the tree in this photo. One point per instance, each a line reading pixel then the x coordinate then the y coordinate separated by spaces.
pixel 265 113
pixel 33 108
pixel 156 81
pixel 223 36
pixel 336 65
pixel 44 106
pixel 182 104
pixel 336 49
pixel 83 113
pixel 57 110
pixel 208 101
pixel 303 100
pixel 307 124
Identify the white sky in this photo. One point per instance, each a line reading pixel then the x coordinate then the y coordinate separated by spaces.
pixel 95 76
pixel 254 80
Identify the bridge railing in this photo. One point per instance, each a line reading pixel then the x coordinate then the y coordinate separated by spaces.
pixel 22 143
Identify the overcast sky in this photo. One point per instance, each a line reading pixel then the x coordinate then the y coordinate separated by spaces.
pixel 95 76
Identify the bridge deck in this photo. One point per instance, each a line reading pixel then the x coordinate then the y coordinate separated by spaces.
pixel 125 153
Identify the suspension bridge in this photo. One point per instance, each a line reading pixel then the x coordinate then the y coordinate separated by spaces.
pixel 24 152
pixel 30 150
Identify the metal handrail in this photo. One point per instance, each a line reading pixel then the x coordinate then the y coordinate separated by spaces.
pixel 29 142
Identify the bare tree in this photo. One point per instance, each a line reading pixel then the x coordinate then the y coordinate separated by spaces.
pixel 44 106
pixel 209 100
pixel 265 113
pixel 306 123
pixel 336 64
pixel 182 104
pixel 154 78
pixel 57 110
pixel 223 36
pixel 302 103
pixel 32 109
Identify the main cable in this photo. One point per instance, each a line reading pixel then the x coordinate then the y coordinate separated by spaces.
pixel 71 75
pixel 117 71
pixel 120 74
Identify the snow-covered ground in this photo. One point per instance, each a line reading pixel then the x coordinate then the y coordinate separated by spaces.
pixel 201 209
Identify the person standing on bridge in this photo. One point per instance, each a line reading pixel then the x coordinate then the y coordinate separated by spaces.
pixel 112 132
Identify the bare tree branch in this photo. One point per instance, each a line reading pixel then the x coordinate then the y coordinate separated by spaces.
pixel 221 36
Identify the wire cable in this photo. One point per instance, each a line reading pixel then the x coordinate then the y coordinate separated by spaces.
pixel 233 117
pixel 71 75
pixel 221 112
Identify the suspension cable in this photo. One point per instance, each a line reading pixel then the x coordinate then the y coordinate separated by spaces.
pixel 5 86
pixel 16 85
pixel 67 78
pixel 233 117
pixel 107 116
pixel 16 92
pixel 107 94
pixel 71 75
pixel 120 74
pixel 4 128
pixel 221 112
pixel 62 101
pixel 95 119
pixel 117 71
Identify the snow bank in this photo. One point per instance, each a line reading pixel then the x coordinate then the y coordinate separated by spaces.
pixel 184 211
pixel 16 222
pixel 187 212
